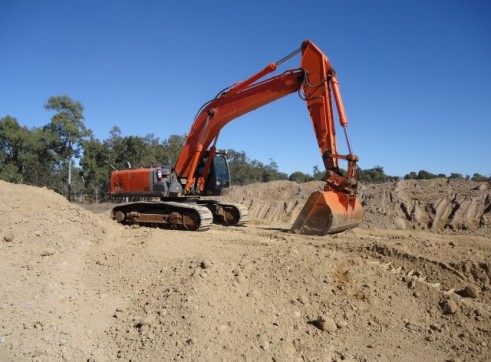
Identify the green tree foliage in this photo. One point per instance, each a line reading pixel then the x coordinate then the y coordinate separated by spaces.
pixel 118 152
pixel 479 178
pixel 171 148
pixel 425 175
pixel 96 168
pixel 25 156
pixel 39 156
pixel 240 168
pixel 67 131
pixel 67 126
pixel 422 175
pixel 132 150
pixel 38 163
pixel 270 172
pixel 12 138
pixel 245 171
pixel 318 174
pixel 411 176
pixel 374 175
pixel 299 177
pixel 456 176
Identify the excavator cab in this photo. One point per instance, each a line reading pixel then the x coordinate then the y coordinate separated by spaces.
pixel 218 181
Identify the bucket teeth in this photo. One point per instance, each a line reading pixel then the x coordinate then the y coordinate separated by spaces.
pixel 328 212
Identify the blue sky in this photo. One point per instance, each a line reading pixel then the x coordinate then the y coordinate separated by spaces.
pixel 415 75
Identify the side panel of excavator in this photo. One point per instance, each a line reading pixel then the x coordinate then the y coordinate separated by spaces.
pixel 328 212
pixel 128 180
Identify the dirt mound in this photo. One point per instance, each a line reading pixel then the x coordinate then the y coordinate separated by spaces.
pixel 78 286
pixel 435 205
pixel 276 201
pixel 47 307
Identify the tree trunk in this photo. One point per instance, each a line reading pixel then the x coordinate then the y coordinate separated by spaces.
pixel 69 179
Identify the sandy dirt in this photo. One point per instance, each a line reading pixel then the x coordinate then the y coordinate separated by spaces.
pixel 412 283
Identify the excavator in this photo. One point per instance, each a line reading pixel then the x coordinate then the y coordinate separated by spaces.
pixel 178 197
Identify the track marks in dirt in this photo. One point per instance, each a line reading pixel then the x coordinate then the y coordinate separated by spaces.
pixel 436 205
pixel 439 204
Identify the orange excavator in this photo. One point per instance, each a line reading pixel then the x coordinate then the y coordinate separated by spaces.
pixel 201 170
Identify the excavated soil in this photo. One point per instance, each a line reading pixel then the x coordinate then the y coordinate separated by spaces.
pixel 412 283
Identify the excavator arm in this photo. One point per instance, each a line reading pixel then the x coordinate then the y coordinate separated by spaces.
pixel 333 210
pixel 320 87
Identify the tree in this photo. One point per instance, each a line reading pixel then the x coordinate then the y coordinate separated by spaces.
pixel 24 154
pixel 411 176
pixel 12 136
pixel 37 162
pixel 299 177
pixel 155 150
pixel 425 175
pixel 270 172
pixel 244 171
pixel 456 176
pixel 68 130
pixel 373 175
pixel 172 147
pixel 479 178
pixel 131 150
pixel 95 168
pixel 318 174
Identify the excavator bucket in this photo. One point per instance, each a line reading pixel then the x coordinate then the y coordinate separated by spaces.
pixel 328 212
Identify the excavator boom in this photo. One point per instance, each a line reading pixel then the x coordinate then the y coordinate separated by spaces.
pixel 226 108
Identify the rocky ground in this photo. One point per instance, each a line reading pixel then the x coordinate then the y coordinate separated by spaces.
pixel 412 283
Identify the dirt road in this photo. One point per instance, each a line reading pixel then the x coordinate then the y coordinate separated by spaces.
pixel 411 284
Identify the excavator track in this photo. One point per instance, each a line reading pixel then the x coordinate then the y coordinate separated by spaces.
pixel 227 213
pixel 171 215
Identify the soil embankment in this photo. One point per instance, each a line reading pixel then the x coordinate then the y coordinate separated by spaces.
pixel 412 283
